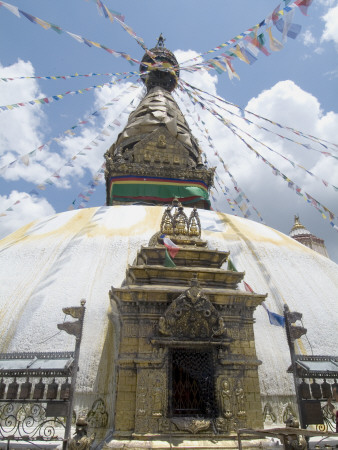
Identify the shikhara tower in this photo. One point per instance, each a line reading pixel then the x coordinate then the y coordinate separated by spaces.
pixel 156 158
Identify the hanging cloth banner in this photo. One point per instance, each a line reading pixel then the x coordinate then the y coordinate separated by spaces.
pixel 67 77
pixel 47 100
pixel 26 158
pixel 243 110
pixel 46 26
pixel 134 189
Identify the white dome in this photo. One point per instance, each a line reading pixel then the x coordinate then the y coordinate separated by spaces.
pixel 58 260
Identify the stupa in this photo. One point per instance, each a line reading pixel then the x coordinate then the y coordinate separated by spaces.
pixel 180 355
pixel 305 237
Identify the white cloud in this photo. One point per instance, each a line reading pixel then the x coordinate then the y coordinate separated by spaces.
pixel 287 104
pixel 93 159
pixel 330 32
pixel 22 129
pixel 201 79
pixel 308 38
pixel 26 211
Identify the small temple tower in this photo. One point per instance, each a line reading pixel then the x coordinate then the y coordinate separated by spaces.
pixel 305 237
pixel 156 158
pixel 187 364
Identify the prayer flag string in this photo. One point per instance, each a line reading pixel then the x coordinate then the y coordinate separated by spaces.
pixel 299 191
pixel 293 163
pixel 297 132
pixel 66 77
pixel 248 43
pixel 102 136
pixel 242 201
pixel 84 197
pixel 49 26
pixel 27 157
pixel 53 98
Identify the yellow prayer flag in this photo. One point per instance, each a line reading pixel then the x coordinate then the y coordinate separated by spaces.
pixel 42 23
pixel 237 51
pixel 275 45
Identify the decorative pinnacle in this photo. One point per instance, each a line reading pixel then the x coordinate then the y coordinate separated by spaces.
pixel 160 41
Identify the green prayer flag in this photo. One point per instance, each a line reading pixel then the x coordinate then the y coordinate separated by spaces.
pixel 168 262
pixel 231 266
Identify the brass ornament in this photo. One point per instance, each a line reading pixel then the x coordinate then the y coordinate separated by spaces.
pixel 193 425
pixel 191 315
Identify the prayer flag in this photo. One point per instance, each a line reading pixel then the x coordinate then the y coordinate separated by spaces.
pixel 275 319
pixel 237 51
pixel 303 5
pixel 275 45
pixel 11 8
pixel 248 55
pixel 168 262
pixel 172 248
pixel 248 288
pixel 231 266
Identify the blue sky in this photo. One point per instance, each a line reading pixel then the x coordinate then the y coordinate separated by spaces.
pixel 296 87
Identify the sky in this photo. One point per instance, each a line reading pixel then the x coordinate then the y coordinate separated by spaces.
pixel 295 87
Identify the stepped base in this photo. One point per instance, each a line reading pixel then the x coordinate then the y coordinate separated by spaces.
pixel 177 443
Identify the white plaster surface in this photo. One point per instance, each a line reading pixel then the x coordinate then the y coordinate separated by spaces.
pixel 58 260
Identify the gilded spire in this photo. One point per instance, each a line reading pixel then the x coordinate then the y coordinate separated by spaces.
pixel 156 157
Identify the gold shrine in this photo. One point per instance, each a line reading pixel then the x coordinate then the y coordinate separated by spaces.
pixel 187 363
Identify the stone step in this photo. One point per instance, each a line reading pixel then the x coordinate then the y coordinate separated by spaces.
pixel 182 276
pixel 190 257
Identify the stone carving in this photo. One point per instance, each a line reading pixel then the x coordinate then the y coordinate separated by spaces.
pixel 191 315
pixel 98 417
pixel 232 401
pixel 268 415
pixel 191 424
pixel 157 397
pixel 288 412
pixel 221 327
pixel 81 441
pixel 239 393
pixel 226 396
pixel 161 141
pixel 294 441
pixel 150 400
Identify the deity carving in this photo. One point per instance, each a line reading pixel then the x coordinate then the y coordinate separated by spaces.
pixel 157 399
pixel 191 315
pixel 226 396
pixel 161 142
